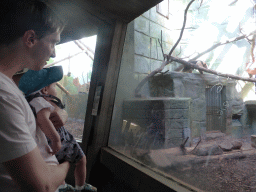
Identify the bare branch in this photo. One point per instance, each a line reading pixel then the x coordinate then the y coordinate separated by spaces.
pixel 78 43
pixel 92 51
pixel 252 47
pixel 215 46
pixel 232 3
pixel 161 47
pixel 182 29
pixel 201 3
pixel 158 70
pixel 221 43
pixel 248 65
pixel 186 63
pixel 54 63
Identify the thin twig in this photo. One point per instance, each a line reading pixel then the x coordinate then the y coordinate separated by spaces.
pixel 143 81
pixel 182 146
pixel 196 145
pixel 222 43
pixel 240 29
pixel 161 47
pixel 68 57
pixel 182 29
pixel 232 3
pixel 78 43
pixel 87 47
pixel 215 46
pixel 201 3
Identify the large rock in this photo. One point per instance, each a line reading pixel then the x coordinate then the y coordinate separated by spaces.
pixel 205 150
pixel 236 144
pixel 253 141
pixel 226 146
pixel 214 135
pixel 230 145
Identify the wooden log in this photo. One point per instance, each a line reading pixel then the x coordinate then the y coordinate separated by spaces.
pixel 62 88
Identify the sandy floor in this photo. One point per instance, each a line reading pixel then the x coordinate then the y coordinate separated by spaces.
pixel 233 171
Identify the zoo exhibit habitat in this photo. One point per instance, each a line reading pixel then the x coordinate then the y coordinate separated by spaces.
pixel 185 104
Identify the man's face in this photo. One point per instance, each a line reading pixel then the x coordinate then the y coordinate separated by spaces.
pixel 43 50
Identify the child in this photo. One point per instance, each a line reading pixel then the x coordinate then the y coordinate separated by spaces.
pixel 43 102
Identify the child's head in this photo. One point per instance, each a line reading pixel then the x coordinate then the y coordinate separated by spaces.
pixel 33 81
pixel 50 90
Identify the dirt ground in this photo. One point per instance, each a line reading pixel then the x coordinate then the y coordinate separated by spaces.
pixel 234 175
pixel 233 171
pixel 75 127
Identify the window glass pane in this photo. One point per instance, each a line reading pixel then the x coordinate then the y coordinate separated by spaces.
pixel 76 58
pixel 195 126
pixel 163 8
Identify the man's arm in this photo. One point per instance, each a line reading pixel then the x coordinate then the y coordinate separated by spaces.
pixel 31 173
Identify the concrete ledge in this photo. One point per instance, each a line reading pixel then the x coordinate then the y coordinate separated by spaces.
pixel 250 104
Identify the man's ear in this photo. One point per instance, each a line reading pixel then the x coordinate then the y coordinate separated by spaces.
pixel 44 91
pixel 29 38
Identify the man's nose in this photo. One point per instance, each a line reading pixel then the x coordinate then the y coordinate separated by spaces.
pixel 53 54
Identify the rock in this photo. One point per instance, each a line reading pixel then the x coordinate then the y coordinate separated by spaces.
pixel 205 150
pixel 160 158
pixel 214 135
pixel 237 144
pixel 253 141
pixel 226 146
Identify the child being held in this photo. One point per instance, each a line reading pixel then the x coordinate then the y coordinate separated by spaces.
pixel 62 143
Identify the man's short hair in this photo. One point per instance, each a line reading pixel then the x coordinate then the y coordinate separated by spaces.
pixel 19 16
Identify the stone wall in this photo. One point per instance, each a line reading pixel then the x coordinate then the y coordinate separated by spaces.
pixel 164 122
pixel 192 85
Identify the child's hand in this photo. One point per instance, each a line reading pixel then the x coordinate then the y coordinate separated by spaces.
pixel 56 146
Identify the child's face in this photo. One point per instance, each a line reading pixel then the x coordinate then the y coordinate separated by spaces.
pixel 51 89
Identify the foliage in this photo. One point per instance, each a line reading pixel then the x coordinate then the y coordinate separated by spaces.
pixel 68 84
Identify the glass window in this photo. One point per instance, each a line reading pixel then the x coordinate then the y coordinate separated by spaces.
pixel 194 126
pixel 163 8
pixel 76 58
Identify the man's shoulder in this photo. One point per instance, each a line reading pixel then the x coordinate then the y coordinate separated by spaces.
pixel 8 88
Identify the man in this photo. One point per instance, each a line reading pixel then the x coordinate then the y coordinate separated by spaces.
pixel 28 35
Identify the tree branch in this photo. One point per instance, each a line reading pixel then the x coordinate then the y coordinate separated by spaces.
pixel 68 57
pixel 182 29
pixel 186 63
pixel 215 46
pixel 221 43
pixel 158 70
pixel 78 43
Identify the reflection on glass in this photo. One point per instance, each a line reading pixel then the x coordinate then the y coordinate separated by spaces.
pixel 76 58
pixel 194 127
